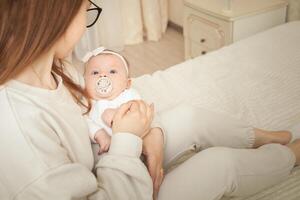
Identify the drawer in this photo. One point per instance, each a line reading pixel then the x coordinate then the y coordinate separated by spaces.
pixel 205 32
pixel 197 49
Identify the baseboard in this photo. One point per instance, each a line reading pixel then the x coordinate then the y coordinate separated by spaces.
pixel 176 27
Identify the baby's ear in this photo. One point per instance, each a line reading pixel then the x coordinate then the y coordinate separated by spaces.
pixel 128 83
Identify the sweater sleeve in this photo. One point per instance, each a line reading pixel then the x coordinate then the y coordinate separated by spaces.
pixel 120 175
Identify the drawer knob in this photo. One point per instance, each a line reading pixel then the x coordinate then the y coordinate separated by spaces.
pixel 203 52
pixel 202 40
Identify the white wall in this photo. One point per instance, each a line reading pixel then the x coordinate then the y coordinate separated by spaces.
pixel 176 11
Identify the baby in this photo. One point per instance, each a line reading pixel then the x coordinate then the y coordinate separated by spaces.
pixel 107 83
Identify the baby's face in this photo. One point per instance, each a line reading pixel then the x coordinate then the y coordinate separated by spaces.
pixel 110 66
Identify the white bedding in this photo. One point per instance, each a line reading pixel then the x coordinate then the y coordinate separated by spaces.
pixel 256 79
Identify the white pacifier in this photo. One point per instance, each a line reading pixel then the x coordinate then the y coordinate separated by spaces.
pixel 104 85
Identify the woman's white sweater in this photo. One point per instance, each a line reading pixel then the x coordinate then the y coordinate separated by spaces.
pixel 46 152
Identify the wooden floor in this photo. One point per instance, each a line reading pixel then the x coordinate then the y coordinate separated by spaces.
pixel 149 57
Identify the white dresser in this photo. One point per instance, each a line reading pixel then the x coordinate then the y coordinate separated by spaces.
pixel 211 24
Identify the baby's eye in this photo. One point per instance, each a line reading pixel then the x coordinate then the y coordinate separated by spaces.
pixel 113 71
pixel 95 73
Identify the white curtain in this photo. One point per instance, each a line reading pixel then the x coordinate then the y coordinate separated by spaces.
pixel 125 22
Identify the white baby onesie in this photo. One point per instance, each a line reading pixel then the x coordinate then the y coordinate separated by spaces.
pixel 94 118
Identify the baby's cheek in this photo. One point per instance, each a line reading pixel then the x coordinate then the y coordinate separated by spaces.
pixel 121 84
pixel 118 87
pixel 90 88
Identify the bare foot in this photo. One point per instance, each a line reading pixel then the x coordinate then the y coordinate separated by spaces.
pixel 295 147
pixel 263 137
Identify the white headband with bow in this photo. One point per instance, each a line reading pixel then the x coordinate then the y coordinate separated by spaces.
pixel 103 50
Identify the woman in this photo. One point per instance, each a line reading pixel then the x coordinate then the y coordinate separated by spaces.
pixel 46 153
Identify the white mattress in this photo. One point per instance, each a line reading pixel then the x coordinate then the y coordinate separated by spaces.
pixel 256 79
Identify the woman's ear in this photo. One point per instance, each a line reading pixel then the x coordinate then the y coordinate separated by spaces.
pixel 128 83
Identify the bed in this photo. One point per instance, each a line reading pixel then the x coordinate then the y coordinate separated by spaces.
pixel 256 79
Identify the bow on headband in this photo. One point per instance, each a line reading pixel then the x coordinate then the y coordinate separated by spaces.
pixel 102 50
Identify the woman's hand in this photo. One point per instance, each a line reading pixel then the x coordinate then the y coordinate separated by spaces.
pixel 153 151
pixel 134 117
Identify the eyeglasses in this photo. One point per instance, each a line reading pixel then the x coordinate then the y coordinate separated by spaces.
pixel 93 15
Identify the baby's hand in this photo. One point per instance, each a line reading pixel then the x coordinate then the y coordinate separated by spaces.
pixel 103 139
pixel 108 116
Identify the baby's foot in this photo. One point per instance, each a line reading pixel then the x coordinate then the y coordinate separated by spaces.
pixel 266 137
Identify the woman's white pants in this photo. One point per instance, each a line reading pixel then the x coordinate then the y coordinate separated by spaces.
pixel 225 163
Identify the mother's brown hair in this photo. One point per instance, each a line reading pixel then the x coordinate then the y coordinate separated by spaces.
pixel 28 29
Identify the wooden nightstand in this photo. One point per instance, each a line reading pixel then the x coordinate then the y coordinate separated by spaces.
pixel 208 25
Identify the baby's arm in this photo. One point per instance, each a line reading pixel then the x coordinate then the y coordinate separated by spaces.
pixel 103 139
pixel 108 115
